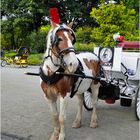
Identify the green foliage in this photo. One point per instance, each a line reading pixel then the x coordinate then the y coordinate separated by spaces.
pixel 84 46
pixel 22 22
pixel 5 41
pixel 113 18
pixel 134 4
pixel 37 40
pixel 10 54
pixel 77 9
pixel 20 18
pixel 83 34
pixel 84 40
pixel 35 59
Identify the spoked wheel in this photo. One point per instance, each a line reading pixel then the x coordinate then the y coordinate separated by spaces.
pixel 88 100
pixel 3 63
pixel 137 105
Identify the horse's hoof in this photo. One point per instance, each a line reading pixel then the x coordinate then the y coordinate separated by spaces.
pixel 61 137
pixel 76 125
pixel 54 136
pixel 93 125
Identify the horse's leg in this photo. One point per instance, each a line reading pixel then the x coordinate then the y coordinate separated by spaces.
pixel 77 121
pixel 63 104
pixel 54 113
pixel 95 90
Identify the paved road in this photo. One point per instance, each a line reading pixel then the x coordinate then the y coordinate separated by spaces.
pixel 25 114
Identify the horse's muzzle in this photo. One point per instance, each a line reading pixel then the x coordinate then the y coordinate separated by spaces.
pixel 71 62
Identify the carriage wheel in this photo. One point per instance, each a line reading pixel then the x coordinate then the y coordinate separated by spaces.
pixel 25 65
pixel 3 63
pixel 137 105
pixel 88 104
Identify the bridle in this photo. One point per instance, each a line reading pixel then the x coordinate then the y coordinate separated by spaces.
pixel 60 53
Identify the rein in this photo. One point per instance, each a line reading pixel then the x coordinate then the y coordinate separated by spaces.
pixel 60 56
pixel 56 55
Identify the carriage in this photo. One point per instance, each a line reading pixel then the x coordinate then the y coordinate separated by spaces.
pixel 65 73
pixel 19 59
pixel 120 75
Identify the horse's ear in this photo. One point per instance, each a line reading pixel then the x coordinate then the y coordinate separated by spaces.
pixel 70 24
pixel 53 24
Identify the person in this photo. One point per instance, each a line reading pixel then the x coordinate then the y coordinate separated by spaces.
pixel 2 52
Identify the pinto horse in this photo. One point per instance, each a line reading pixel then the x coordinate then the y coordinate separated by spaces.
pixel 61 57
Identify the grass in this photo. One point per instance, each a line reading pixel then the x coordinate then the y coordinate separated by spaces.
pixel 10 54
pixel 33 59
pixel 37 59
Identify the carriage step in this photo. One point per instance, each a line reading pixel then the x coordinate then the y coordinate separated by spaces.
pixel 125 97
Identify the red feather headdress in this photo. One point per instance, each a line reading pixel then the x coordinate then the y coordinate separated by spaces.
pixel 54 15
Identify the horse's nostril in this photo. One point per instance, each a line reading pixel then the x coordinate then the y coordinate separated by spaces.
pixel 71 64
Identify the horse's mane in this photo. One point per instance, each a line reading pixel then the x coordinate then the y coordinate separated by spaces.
pixel 48 44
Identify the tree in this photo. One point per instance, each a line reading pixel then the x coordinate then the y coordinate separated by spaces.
pixel 113 18
pixel 83 34
pixel 76 9
pixel 134 4
pixel 38 46
pixel 20 17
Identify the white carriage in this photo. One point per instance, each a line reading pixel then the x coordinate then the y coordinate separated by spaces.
pixel 121 75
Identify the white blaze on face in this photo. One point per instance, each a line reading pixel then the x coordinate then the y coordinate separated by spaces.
pixel 70 59
pixel 68 40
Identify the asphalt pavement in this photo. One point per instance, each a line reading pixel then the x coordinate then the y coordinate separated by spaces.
pixel 25 114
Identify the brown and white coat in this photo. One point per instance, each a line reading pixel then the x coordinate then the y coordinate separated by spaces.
pixel 62 88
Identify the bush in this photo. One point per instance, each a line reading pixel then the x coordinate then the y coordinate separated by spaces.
pixel 35 59
pixel 84 47
pixel 113 18
pixel 83 34
pixel 37 40
pixel 10 53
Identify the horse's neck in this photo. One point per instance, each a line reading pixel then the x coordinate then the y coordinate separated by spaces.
pixel 50 64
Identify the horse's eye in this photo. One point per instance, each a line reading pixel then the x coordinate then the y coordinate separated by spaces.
pixel 60 39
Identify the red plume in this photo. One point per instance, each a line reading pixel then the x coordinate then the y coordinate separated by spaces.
pixel 54 15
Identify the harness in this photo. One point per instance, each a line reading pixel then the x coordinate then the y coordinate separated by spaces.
pixel 53 39
pixel 58 28
pixel 51 79
pixel 54 78
pixel 78 71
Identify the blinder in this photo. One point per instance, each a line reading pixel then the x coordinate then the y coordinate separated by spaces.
pixel 54 38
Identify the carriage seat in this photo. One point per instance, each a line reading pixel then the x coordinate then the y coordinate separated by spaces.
pixel 23 54
pixel 129 44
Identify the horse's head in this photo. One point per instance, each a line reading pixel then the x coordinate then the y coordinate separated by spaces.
pixel 61 46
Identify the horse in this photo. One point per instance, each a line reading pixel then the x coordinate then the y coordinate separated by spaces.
pixel 60 57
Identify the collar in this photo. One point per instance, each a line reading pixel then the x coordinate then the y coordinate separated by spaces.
pixel 51 79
